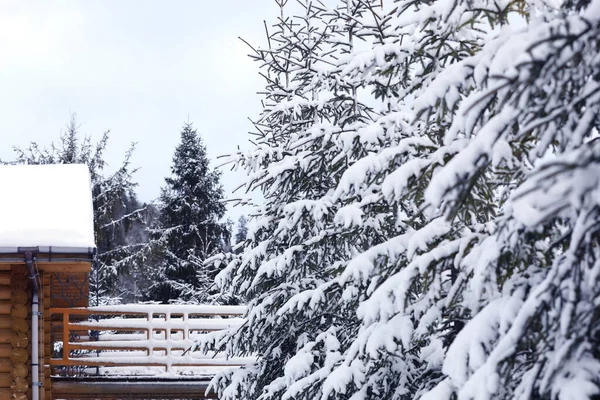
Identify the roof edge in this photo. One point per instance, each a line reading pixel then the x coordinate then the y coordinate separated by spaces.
pixel 47 250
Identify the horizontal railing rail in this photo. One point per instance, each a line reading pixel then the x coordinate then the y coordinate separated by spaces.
pixel 140 335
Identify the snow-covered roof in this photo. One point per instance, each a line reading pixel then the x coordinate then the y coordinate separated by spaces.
pixel 46 206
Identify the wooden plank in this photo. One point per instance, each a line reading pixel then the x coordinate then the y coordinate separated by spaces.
pixel 5 278
pixel 95 362
pixel 19 281
pixel 69 295
pixel 66 350
pixel 47 380
pixel 45 258
pixel 5 365
pixel 5 292
pixel 6 335
pixel 91 363
pixel 71 389
pixel 5 380
pixel 100 327
pixel 101 346
pixel 140 325
pixel 5 351
pixel 69 268
pixel 9 259
pixel 5 307
pixel 18 267
pixel 86 311
pixel 142 314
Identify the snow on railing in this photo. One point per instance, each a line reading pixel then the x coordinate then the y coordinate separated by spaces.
pixel 140 335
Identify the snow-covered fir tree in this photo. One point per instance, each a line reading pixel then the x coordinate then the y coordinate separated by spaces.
pixel 188 228
pixel 297 245
pixel 444 245
pixel 528 125
pixel 117 212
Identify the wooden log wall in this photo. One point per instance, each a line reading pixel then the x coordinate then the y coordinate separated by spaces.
pixel 15 319
pixel 46 341
pixel 69 289
pixel 5 336
pixel 19 332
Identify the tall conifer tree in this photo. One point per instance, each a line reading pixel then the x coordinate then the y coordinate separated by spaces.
pixel 307 136
pixel 449 249
pixel 189 228
pixel 365 263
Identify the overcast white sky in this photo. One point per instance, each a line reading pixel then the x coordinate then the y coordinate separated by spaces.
pixel 138 68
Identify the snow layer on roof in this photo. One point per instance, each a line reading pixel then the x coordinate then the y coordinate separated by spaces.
pixel 46 205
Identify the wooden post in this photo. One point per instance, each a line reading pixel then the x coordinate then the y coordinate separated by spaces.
pixel 66 348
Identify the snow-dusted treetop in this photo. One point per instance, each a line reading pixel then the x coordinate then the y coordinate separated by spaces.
pixel 46 205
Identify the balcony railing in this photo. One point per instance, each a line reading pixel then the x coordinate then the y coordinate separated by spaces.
pixel 161 336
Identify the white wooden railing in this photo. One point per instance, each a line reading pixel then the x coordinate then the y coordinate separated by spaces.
pixel 140 335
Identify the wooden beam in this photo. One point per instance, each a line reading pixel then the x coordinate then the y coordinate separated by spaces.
pixel 5 278
pixel 17 258
pixel 67 267
pixel 98 362
pixel 5 351
pixel 70 389
pixel 51 266
pixel 5 307
pixel 92 311
pixel 5 380
pixel 5 365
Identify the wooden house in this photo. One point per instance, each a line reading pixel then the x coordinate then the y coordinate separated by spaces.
pixel 46 254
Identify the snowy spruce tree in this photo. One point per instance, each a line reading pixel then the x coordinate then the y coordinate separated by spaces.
pixel 528 125
pixel 442 245
pixel 314 125
pixel 117 213
pixel 188 229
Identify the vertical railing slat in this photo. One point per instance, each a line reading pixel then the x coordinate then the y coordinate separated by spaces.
pixel 66 350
